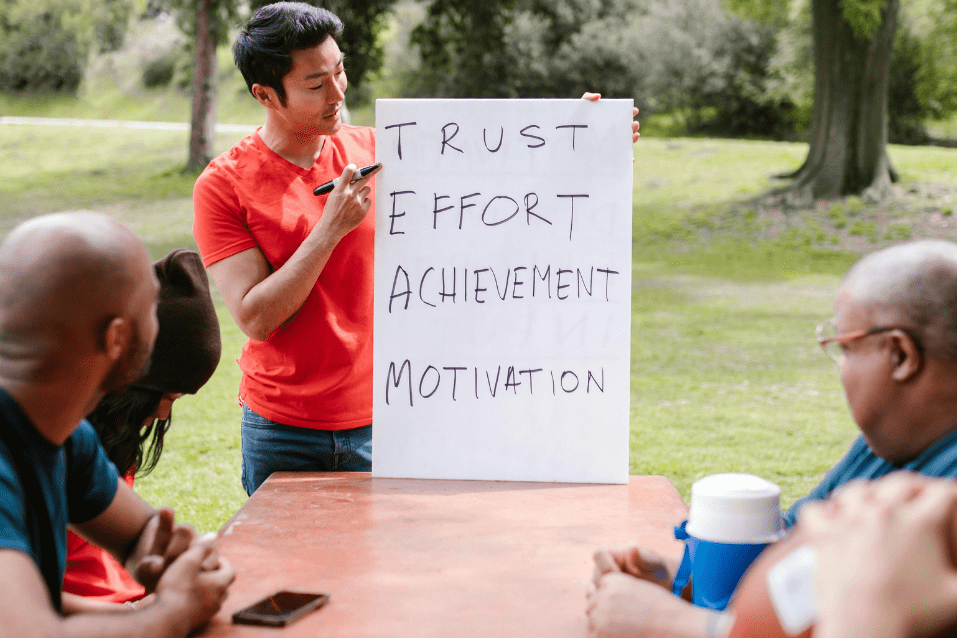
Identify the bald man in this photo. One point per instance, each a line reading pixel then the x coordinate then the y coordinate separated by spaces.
pixel 77 320
pixel 894 338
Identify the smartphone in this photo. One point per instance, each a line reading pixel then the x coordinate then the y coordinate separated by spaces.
pixel 281 608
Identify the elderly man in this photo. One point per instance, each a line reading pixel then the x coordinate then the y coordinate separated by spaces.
pixel 894 337
pixel 77 320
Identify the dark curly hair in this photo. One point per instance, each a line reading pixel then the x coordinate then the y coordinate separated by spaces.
pixel 119 420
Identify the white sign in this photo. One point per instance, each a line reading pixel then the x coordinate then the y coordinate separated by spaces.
pixel 503 290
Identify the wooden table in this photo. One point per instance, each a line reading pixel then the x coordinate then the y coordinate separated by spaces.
pixel 409 558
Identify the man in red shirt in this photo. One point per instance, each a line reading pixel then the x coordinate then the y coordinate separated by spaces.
pixel 295 269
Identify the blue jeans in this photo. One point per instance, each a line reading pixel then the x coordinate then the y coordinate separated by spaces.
pixel 273 447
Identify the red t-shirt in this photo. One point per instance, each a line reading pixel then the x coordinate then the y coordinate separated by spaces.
pixel 315 371
pixel 91 572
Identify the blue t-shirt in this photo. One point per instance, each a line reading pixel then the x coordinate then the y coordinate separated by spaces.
pixel 860 462
pixel 76 481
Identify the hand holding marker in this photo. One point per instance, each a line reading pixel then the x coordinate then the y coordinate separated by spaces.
pixel 359 174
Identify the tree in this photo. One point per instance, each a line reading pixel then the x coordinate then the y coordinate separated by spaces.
pixel 207 23
pixel 853 45
pixel 202 128
pixel 462 44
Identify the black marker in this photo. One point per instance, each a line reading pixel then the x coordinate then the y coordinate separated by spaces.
pixel 359 174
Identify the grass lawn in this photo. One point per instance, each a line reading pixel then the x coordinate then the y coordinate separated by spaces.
pixel 727 290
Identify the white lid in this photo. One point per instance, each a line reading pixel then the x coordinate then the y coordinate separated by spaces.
pixel 735 508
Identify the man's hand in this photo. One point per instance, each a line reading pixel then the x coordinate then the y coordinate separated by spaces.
pixel 348 203
pixel 195 583
pixel 594 97
pixel 885 557
pixel 624 607
pixel 634 561
pixel 160 543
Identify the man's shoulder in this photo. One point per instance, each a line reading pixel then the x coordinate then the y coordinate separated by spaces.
pixel 940 459
pixel 234 159
pixel 84 442
pixel 12 503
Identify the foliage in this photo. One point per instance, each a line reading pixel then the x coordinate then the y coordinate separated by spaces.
pixel 937 75
pixel 462 45
pixel 864 16
pixel 774 14
pixel 363 23
pixel 906 109
pixel 567 47
pixel 689 57
pixel 44 44
pixel 223 15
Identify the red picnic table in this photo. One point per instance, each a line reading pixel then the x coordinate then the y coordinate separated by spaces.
pixel 416 558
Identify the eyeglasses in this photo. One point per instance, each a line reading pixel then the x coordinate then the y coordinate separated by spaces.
pixel 831 342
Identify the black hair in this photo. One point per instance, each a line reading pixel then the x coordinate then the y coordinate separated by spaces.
pixel 263 48
pixel 119 420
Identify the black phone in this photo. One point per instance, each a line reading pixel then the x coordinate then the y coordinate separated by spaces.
pixel 281 608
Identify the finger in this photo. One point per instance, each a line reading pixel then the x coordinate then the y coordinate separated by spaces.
pixel 193 558
pixel 148 571
pixel 605 562
pixel 223 576
pixel 372 173
pixel 364 192
pixel 936 504
pixel 850 495
pixel 815 517
pixel 164 530
pixel 183 537
pixel 591 97
pixel 634 111
pixel 345 180
pixel 211 562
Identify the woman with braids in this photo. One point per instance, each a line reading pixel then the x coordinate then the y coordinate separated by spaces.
pixel 132 422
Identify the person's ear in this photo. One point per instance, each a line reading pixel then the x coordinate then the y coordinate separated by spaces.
pixel 116 337
pixel 906 357
pixel 266 95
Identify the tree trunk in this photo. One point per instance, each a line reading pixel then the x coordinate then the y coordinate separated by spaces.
pixel 848 140
pixel 203 124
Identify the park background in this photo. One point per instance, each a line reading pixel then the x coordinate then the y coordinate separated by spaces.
pixel 730 276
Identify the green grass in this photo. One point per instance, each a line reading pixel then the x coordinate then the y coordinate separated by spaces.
pixel 727 290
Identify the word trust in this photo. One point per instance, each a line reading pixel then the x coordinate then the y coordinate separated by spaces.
pixel 529 136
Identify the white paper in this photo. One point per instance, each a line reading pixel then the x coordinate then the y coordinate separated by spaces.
pixel 503 290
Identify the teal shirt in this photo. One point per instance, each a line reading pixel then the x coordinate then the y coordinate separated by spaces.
pixel 71 483
pixel 860 462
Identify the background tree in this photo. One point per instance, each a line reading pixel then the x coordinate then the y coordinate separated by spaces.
pixel 206 23
pixel 462 44
pixel 853 46
pixel 202 128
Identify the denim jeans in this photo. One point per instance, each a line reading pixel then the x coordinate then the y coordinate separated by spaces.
pixel 273 447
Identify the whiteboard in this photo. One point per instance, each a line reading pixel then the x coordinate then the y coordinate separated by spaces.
pixel 503 290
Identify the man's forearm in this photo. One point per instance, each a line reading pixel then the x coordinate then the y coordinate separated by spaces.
pixel 277 298
pixel 261 299
pixel 156 621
